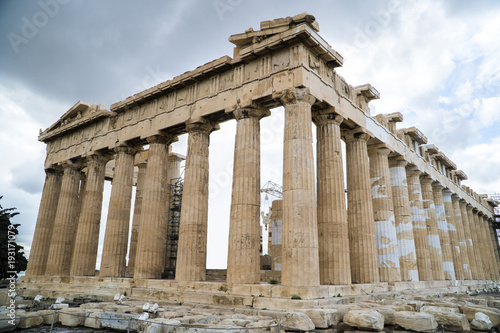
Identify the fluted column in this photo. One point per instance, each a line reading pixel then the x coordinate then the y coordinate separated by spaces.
pixel 475 240
pixel 476 236
pixel 150 252
pixel 61 243
pixel 45 223
pixel 300 257
pixel 418 218
pixel 462 241
pixel 243 261
pixel 404 225
pixel 84 257
pixel 432 228
pixel 114 252
pixel 442 223
pixel 333 240
pixel 362 242
pixel 453 234
pixel 486 250
pixel 134 234
pixel 383 214
pixel 494 246
pixel 468 238
pixel 192 245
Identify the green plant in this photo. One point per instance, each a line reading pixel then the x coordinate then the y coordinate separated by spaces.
pixel 338 295
pixel 260 295
pixel 273 281
pixel 296 296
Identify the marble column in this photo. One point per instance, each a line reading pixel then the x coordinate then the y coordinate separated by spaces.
pixel 84 257
pixel 468 238
pixel 477 236
pixel 418 217
pixel 362 242
pixel 136 218
pixel 61 243
pixel 333 240
pixel 45 223
pixel 114 252
pixel 243 261
pixel 150 252
pixel 462 241
pixel 432 228
pixel 475 240
pixel 442 223
pixel 453 235
pixel 486 250
pixel 383 214
pixel 300 256
pixel 192 244
pixel 494 246
pixel 404 225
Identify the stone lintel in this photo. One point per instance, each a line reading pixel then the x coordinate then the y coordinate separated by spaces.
pixel 395 117
pixel 415 134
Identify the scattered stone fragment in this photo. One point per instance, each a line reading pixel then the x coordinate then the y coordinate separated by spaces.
pixel 29 320
pixel 297 321
pixel 370 319
pixel 481 322
pixel 415 321
pixel 323 318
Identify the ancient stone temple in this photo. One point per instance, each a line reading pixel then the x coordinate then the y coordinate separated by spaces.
pixel 406 218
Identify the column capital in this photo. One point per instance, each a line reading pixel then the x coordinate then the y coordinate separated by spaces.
pixel 437 185
pixel 162 138
pixel 201 125
pixel 54 169
pixel 413 171
pixel 326 116
pixel 379 149
pixel 356 134
pixel 290 96
pixel 127 149
pixel 72 165
pixel 98 156
pixel 397 161
pixel 243 113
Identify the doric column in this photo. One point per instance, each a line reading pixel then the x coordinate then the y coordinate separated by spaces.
pixel 462 241
pixel 468 238
pixel 114 252
pixel 150 252
pixel 475 240
pixel 476 236
pixel 333 241
pixel 243 261
pixel 453 235
pixel 486 250
pixel 87 233
pixel 404 225
pixel 134 234
pixel 45 223
pixel 442 223
pixel 192 245
pixel 362 242
pixel 61 243
pixel 300 257
pixel 418 218
pixel 383 214
pixel 432 228
pixel 494 248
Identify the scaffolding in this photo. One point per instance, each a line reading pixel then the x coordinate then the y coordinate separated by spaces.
pixel 173 220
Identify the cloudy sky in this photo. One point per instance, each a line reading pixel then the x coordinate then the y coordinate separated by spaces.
pixel 437 62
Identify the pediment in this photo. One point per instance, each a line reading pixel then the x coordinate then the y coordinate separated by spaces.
pixel 79 114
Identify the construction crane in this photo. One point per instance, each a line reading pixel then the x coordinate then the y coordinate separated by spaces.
pixel 275 190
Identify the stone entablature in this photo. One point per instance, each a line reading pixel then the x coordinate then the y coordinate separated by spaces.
pixel 407 235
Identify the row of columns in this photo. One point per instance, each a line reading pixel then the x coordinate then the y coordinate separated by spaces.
pixel 399 225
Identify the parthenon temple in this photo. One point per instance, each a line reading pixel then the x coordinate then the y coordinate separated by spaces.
pixel 401 216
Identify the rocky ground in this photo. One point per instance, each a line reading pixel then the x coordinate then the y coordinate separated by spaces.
pixel 426 310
